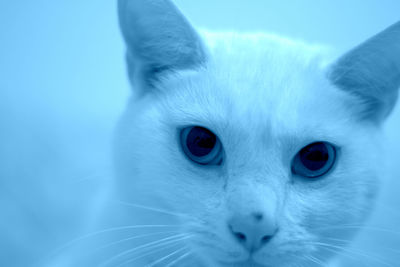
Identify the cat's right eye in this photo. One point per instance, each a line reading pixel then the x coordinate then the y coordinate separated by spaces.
pixel 201 145
pixel 314 160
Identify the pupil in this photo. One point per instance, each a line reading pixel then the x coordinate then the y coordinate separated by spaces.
pixel 200 141
pixel 315 156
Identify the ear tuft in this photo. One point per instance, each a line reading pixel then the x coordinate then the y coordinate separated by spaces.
pixel 371 71
pixel 158 39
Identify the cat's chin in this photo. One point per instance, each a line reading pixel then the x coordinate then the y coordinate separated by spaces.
pixel 283 260
pixel 253 263
pixel 248 263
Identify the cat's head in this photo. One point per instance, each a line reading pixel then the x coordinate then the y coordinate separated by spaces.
pixel 264 154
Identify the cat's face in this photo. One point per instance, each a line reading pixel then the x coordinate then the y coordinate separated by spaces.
pixel 265 99
pixel 263 116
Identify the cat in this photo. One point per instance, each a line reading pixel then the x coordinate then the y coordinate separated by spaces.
pixel 237 149
pixel 261 143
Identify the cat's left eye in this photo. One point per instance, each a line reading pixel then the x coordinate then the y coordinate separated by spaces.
pixel 314 160
pixel 201 145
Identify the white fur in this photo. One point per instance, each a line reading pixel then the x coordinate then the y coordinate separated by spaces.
pixel 265 97
pixel 263 114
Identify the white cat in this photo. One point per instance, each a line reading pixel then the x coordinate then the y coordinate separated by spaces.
pixel 271 154
pixel 239 150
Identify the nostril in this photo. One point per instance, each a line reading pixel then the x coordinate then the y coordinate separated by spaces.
pixel 240 236
pixel 266 239
pixel 258 216
pixel 252 230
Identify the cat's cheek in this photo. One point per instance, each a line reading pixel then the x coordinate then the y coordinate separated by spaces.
pixel 325 209
pixel 213 241
pixel 296 235
pixel 288 247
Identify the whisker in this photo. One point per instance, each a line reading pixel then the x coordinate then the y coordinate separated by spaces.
pixel 132 238
pixel 179 259
pixel 69 244
pixel 301 258
pixel 315 260
pixel 167 256
pixel 344 241
pixel 154 209
pixel 345 254
pixel 153 244
pixel 360 227
pixel 352 251
pixel 348 242
pixel 151 252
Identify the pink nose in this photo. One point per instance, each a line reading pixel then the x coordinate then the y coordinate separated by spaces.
pixel 253 230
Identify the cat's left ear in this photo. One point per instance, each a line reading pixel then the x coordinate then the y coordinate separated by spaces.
pixel 159 40
pixel 371 71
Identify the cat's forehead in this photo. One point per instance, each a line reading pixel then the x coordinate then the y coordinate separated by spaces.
pixel 261 83
pixel 264 67
pixel 260 54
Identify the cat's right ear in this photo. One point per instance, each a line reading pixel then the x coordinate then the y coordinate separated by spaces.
pixel 159 40
pixel 371 72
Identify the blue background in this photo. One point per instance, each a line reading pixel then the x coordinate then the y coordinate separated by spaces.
pixel 73 46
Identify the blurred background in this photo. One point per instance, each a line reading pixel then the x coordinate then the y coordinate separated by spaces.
pixel 67 47
pixel 63 60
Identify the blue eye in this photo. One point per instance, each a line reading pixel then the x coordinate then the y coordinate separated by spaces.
pixel 314 160
pixel 201 145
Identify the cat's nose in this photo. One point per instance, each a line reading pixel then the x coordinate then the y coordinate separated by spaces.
pixel 253 230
